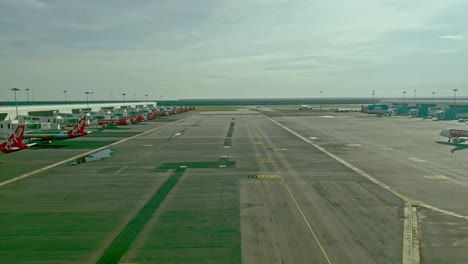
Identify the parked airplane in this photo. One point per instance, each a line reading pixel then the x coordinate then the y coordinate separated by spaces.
pixel 304 107
pixel 152 115
pixel 122 121
pixel 379 112
pixel 49 135
pixel 455 135
pixel 14 141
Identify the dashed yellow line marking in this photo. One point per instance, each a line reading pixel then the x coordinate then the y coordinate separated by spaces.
pixel 266 160
pixel 258 142
pixel 272 182
pixel 280 149
pixel 436 177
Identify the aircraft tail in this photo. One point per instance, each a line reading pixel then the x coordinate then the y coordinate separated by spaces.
pixel 364 109
pixel 139 117
pixel 14 141
pixel 78 128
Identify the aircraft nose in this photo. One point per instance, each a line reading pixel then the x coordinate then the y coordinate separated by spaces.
pixel 444 133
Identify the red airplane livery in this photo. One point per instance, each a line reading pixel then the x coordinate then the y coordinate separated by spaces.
pixel 455 135
pixel 123 120
pixel 49 135
pixel 152 115
pixel 14 141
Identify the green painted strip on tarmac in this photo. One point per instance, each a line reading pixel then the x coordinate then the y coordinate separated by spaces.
pixel 73 144
pixel 122 242
pixel 227 142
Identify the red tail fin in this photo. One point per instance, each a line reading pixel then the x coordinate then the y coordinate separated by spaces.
pixel 140 118
pixel 14 141
pixel 78 128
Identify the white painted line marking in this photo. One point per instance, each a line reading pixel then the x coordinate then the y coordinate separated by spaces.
pixel 148 145
pixel 224 156
pixel 370 178
pixel 353 145
pixel 327 116
pixel 81 155
pixel 149 153
pixel 123 168
pixel 415 233
pixel 222 166
pixel 436 177
pixel 313 137
pixel 177 134
pixel 226 147
pixel 417 160
pixel 183 166
pixel 407 235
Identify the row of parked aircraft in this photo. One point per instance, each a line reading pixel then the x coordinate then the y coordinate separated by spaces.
pixel 21 139
pixel 122 120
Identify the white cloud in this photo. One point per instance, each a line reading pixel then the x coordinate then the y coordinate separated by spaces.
pixel 218 46
pixel 452 37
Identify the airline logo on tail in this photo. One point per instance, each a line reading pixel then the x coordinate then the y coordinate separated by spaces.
pixel 78 129
pixel 13 142
pixel 15 139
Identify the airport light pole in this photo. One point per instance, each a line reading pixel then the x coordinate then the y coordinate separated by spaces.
pixel 414 94
pixel 92 96
pixel 87 99
pixel 16 103
pixel 27 93
pixel 123 96
pixel 373 97
pixel 433 97
pixel 404 97
pixel 112 96
pixel 146 100
pixel 134 96
pixel 65 94
pixel 321 97
pixel 455 96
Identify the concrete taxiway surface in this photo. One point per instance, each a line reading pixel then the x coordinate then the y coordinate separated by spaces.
pixel 234 186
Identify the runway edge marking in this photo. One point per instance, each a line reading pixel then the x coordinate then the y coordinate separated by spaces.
pixel 369 177
pixel 83 154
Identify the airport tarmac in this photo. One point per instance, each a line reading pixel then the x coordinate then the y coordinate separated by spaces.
pixel 234 186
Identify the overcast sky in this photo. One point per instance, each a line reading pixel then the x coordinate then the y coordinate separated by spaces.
pixel 232 49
